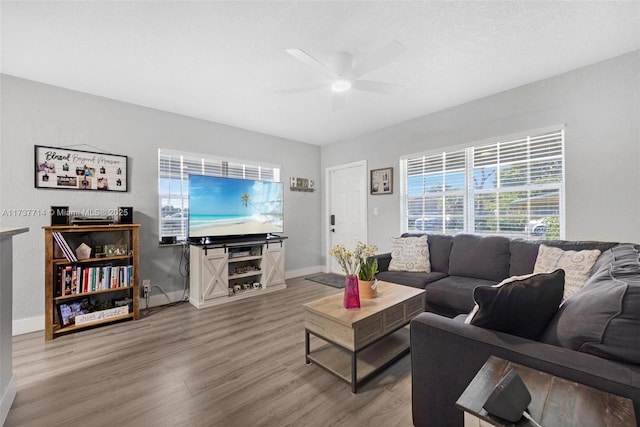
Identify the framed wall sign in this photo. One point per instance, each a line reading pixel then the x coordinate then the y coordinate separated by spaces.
pixel 65 169
pixel 382 181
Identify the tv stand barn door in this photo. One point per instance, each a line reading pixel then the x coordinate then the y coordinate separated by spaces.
pixel 225 272
pixel 273 264
pixel 211 273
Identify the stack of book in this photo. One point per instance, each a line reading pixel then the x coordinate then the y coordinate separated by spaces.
pixel 74 280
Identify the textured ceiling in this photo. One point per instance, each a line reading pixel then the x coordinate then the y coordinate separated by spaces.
pixel 222 61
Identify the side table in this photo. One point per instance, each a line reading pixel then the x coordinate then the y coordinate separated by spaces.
pixel 555 402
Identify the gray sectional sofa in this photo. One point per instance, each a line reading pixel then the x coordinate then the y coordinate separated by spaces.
pixel 446 353
pixel 462 262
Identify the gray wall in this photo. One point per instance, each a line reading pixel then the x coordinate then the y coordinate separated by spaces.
pixel 600 106
pixel 39 114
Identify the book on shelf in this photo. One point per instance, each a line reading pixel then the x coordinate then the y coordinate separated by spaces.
pixel 72 280
pixel 65 279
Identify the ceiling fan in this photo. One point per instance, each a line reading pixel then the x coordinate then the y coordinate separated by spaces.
pixel 343 74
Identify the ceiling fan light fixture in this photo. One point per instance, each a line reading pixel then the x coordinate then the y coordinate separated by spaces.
pixel 341 85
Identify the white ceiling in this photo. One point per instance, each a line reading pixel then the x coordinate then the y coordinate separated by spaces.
pixel 221 61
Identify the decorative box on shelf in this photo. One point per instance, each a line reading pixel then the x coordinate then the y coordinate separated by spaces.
pixel 97 316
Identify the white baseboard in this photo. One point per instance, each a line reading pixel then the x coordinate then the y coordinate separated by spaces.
pixel 304 271
pixel 7 399
pixel 30 324
pixel 33 324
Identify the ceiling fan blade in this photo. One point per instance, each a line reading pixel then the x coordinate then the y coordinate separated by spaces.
pixel 301 89
pixel 376 59
pixel 378 87
pixel 338 101
pixel 305 58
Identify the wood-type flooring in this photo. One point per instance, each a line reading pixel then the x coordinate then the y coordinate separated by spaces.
pixel 236 364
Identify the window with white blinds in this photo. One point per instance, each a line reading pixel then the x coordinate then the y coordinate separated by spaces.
pixel 174 168
pixel 512 187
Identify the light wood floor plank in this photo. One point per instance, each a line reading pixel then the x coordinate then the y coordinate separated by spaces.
pixel 238 364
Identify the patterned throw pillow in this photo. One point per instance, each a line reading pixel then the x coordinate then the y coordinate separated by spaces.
pixel 576 265
pixel 410 254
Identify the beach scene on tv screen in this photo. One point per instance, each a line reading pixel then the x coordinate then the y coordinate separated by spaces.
pixel 226 207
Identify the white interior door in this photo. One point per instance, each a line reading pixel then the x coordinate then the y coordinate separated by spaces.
pixel 346 208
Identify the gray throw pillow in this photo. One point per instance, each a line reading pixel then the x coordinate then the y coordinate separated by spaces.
pixel 519 307
pixel 603 318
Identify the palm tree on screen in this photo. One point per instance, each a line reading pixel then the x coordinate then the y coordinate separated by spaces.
pixel 244 199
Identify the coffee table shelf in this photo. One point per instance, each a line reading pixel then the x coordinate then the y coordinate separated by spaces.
pixel 370 360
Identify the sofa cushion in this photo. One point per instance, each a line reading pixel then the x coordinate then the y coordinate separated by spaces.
pixel 480 257
pixel 415 280
pixel 576 264
pixel 522 256
pixel 579 245
pixel 454 293
pixel 521 307
pixel 603 318
pixel 409 254
pixel 439 251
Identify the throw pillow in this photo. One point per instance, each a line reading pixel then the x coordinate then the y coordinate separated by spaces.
pixel 473 312
pixel 410 254
pixel 522 307
pixel 603 318
pixel 576 264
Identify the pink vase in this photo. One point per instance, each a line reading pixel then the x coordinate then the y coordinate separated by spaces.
pixel 351 293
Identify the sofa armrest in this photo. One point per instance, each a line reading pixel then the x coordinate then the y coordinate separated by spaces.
pixel 383 261
pixel 446 354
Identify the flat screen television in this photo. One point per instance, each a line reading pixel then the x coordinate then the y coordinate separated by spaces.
pixel 230 207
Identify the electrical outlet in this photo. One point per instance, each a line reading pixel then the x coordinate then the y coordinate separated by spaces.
pixel 146 285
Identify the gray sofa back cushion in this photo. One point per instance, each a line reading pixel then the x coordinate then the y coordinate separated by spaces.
pixel 523 255
pixel 603 318
pixel 479 257
pixel 439 250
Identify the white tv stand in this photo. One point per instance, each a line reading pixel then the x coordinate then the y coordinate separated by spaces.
pixel 229 270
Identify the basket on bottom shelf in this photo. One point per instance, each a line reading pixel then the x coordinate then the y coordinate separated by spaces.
pixel 101 315
pixel 81 311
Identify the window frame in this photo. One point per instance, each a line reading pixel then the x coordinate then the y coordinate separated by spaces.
pixel 471 193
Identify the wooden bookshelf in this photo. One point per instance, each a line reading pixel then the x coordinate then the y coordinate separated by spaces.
pixel 121 283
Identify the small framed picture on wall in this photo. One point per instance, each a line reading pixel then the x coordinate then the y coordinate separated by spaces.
pixel 382 181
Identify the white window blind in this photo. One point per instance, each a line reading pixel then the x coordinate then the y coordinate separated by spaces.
pixel 436 192
pixel 174 168
pixel 512 187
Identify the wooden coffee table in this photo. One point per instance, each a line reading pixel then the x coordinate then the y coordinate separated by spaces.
pixel 356 344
